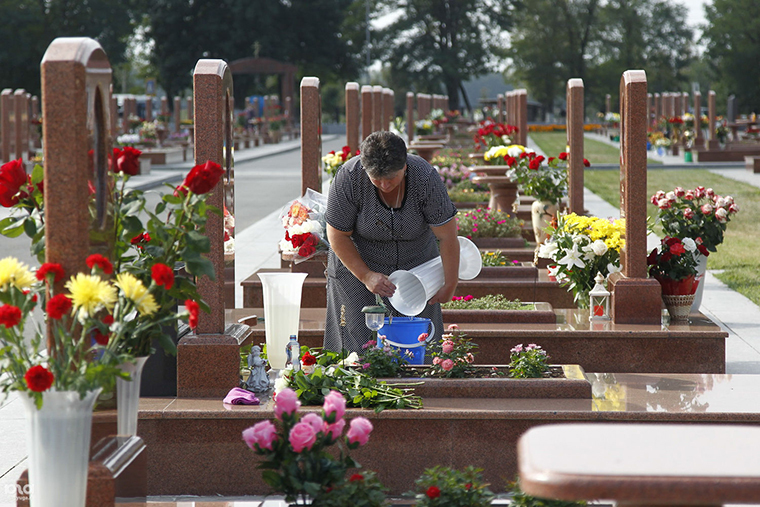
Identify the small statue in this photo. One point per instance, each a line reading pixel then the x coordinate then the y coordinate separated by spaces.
pixel 258 381
pixel 293 351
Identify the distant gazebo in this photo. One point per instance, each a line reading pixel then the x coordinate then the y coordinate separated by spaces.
pixel 259 65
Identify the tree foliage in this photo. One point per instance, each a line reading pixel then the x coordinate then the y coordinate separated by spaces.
pixel 435 45
pixel 732 37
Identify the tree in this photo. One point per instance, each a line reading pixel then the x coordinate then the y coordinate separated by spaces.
pixel 732 36
pixel 443 42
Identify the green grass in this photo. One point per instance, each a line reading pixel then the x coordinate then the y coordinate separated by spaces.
pixel 596 152
pixel 738 255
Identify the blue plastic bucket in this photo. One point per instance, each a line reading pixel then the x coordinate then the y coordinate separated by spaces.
pixel 404 334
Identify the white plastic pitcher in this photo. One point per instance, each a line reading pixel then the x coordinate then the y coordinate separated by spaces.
pixel 416 286
pixel 282 312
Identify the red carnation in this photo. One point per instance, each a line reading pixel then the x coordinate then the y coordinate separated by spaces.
pixel 203 178
pixel 12 178
pixel 50 268
pixel 162 275
pixel 101 262
pixel 100 337
pixel 562 156
pixel 192 308
pixel 58 306
pixel 38 378
pixel 10 315
pixel 433 492
pixel 356 477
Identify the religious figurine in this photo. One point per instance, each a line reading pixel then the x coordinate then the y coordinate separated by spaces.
pixel 258 381
pixel 293 351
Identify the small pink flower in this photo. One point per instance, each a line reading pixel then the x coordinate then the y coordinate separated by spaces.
pixel 262 433
pixel 452 327
pixel 314 420
pixel 531 346
pixel 706 209
pixel 422 337
pixel 688 213
pixel 721 215
pixel 334 430
pixel 359 430
pixel 302 436
pixel 437 360
pixel 334 403
pixel 468 297
pixel 517 349
pixel 286 402
pixel 366 366
pixel 447 364
pixel 448 346
pixel 470 358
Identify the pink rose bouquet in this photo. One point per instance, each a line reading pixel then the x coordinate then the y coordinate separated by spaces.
pixel 296 459
pixel 453 355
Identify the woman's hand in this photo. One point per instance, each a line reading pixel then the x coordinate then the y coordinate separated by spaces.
pixel 378 283
pixel 443 295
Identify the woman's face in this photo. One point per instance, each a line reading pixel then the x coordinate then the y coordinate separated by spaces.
pixel 386 185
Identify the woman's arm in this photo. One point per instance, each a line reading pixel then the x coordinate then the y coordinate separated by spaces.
pixel 449 247
pixel 344 247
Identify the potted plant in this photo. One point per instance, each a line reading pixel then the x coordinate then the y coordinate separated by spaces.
pixel 673 264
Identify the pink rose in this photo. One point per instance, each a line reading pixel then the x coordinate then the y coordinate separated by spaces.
pixel 663 204
pixel 729 199
pixel 700 192
pixel 688 213
pixel 709 192
pixel 334 430
pixel 262 433
pixel 470 358
pixel 733 208
pixel 314 420
pixel 359 431
pixel 447 364
pixel 436 360
pixel 422 337
pixel 335 403
pixel 689 195
pixel 452 327
pixel 302 436
pixel 721 215
pixel 679 191
pixel 448 346
pixel 706 209
pixel 286 402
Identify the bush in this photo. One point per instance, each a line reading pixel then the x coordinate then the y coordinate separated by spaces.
pixel 488 302
pixel 441 486
pixel 485 223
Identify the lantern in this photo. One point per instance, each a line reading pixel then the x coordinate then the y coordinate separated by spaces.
pixel 599 304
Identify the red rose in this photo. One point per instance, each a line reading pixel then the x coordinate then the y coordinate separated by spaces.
pixel 652 258
pixel 356 477
pixel 510 160
pixel 308 359
pixel 12 178
pixel 10 315
pixel 306 251
pixel 58 306
pixel 38 378
pixel 703 250
pixel 162 275
pixel 143 237
pixel 540 158
pixel 298 239
pixel 203 178
pixel 101 262
pixel 586 163
pixel 192 308
pixel 562 156
pixel 534 164
pixel 128 161
pixel 433 492
pixel 50 268
pixel 677 249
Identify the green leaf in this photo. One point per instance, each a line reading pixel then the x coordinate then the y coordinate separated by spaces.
pixel 200 266
pixel 30 228
pixel 38 174
pixel 198 242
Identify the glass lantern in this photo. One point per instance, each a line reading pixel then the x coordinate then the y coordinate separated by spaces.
pixel 374 316
pixel 599 300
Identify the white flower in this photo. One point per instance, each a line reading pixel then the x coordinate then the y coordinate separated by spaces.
pixel 229 246
pixel 613 268
pixel 722 215
pixel 286 246
pixel 280 383
pixel 547 250
pixel 572 258
pixel 721 202
pixel 351 360
pixel 515 150
pixel 689 244
pixel 599 247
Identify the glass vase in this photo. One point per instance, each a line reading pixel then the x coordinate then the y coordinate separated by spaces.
pixel 128 397
pixel 58 442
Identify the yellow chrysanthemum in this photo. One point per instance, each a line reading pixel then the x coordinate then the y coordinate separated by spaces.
pixel 89 293
pixel 13 272
pixel 134 290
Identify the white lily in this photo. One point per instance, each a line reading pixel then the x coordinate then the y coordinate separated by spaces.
pixel 547 250
pixel 572 258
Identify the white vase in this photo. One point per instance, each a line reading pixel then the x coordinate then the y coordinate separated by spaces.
pixel 701 269
pixel 58 442
pixel 541 213
pixel 128 397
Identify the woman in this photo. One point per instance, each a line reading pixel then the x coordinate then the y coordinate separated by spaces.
pixel 385 211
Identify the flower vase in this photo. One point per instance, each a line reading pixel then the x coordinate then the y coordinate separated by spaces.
pixel 701 270
pixel 542 213
pixel 128 397
pixel 58 442
pixel 678 296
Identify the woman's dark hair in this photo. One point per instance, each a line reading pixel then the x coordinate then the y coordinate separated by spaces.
pixel 383 154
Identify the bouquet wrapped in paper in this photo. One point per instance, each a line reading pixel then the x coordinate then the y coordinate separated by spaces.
pixel 304 223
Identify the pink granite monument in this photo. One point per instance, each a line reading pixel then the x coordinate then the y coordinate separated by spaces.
pixel 21 124
pixel 311 135
pixel 575 167
pixel 177 113
pixel 377 109
pixel 500 107
pixel 367 102
pixel 410 116
pixel 388 103
pixel 636 299
pixel 521 107
pixel 423 105
pixel 352 116
pixel 6 124
pixel 165 107
pixel 149 109
pixel 677 104
pixel 698 137
pixel 114 110
pixel 649 110
pixel 712 141
pixel 657 107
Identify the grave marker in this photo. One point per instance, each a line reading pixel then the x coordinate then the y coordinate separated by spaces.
pixel 377 109
pixel 522 115
pixel 113 101
pixel 510 109
pixel 685 103
pixel 21 124
pixel 677 103
pixel 423 106
pixel 165 107
pixel 177 113
pixel 575 167
pixel 712 141
pixel 657 107
pixel 149 109
pixel 352 116
pixel 731 109
pixel 207 361
pixel 366 111
pixel 649 109
pixel 189 108
pixel 636 299
pixel 6 113
pixel 409 116
pixel 500 107
pixel 698 138
pixel 311 135
pixel 388 99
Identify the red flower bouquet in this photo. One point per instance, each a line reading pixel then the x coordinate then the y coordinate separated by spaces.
pixel 304 223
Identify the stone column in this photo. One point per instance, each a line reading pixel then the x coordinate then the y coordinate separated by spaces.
pixel 149 109
pixel 649 109
pixel 377 108
pixel 311 137
pixel 177 113
pixel 698 138
pixel 677 103
pixel 114 117
pixel 575 167
pixel 388 99
pixel 6 113
pixel 352 116
pixel 685 102
pixel 410 116
pixel 367 102
pixel 500 107
pixel 164 106
pixel 190 114
pixel 657 107
pixel 636 299
pixel 712 141
pixel 522 115
pixel 21 131
pixel 423 106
